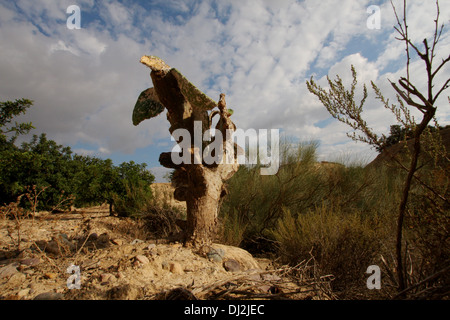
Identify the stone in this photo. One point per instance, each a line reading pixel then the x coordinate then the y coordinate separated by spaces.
pixel 142 259
pixel 52 247
pixel 216 255
pixel 136 241
pixel 40 244
pixel 8 270
pixel 254 277
pixel 232 265
pixel 43 245
pixel 23 293
pixel 165 265
pixel 92 237
pixel 264 288
pixel 175 268
pixel 49 296
pixel 117 242
pixel 103 241
pixel 124 292
pixel 107 278
pixel 50 275
pixel 31 262
pixel 17 279
pixel 244 257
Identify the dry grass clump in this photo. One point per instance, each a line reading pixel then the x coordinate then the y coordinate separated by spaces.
pixel 342 244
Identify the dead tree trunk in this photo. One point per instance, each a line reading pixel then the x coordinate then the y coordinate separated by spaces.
pixel 198 183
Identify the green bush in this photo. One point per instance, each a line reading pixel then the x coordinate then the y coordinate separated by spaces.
pixel 255 203
pixel 345 217
pixel 158 218
pixel 342 243
pixel 135 202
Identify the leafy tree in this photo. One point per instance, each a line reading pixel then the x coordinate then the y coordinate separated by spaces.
pixel 98 181
pixel 397 133
pixel 10 156
pixel 8 111
pixel 43 164
pixel 134 192
pixel 93 180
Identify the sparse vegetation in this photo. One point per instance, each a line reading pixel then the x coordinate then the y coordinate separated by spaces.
pixel 342 216
pixel 339 215
pixel 340 103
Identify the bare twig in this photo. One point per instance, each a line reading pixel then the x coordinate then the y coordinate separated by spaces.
pixel 283 286
pixel 46 257
pixel 430 278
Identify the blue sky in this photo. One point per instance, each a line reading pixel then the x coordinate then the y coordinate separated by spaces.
pixel 85 82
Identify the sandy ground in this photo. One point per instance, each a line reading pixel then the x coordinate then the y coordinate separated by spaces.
pixel 86 254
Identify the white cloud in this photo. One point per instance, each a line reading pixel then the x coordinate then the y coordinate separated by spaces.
pixel 118 13
pixel 160 174
pixel 84 152
pixel 84 84
pixel 62 46
pixel 259 53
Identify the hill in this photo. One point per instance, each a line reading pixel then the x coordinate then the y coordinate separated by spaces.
pixel 386 156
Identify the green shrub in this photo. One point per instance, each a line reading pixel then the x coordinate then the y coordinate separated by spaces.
pixel 254 202
pixel 158 218
pixel 137 199
pixel 232 230
pixel 343 243
pixel 345 217
pixel 162 222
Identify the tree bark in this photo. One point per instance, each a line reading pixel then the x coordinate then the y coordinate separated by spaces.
pixel 199 184
pixel 402 208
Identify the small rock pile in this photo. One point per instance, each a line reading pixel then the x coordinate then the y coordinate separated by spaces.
pixel 62 245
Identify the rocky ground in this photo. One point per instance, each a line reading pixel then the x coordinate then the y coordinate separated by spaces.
pixel 90 255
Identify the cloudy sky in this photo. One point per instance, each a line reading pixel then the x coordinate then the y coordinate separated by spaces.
pixel 260 53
